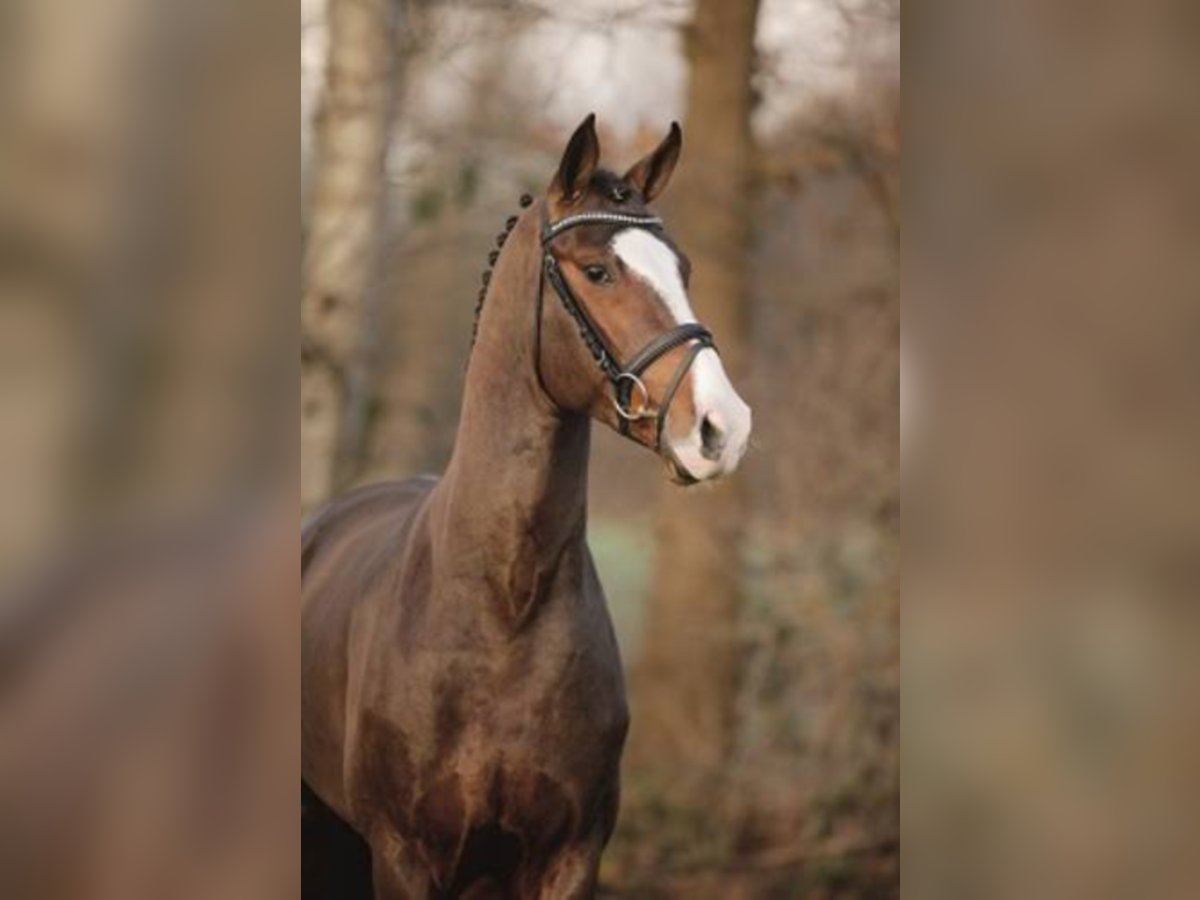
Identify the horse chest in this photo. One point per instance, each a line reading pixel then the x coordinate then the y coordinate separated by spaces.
pixel 484 804
pixel 534 758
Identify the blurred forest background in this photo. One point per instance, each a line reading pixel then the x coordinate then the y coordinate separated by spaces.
pixel 759 621
pixel 148 200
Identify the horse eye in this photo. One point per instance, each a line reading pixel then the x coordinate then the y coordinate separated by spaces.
pixel 597 274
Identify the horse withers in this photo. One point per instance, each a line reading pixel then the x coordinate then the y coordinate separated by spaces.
pixel 463 706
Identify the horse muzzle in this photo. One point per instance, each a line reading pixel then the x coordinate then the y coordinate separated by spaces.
pixel 716 443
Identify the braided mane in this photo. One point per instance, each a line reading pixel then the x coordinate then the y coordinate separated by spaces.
pixel 494 255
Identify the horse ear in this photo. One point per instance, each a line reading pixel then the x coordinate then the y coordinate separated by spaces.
pixel 651 173
pixel 579 161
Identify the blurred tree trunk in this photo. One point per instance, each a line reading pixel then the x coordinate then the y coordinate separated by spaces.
pixel 688 673
pixel 421 367
pixel 352 128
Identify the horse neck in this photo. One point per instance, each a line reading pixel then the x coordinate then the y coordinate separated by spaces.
pixel 514 496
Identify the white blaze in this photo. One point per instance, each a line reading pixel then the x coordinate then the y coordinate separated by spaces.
pixel 650 259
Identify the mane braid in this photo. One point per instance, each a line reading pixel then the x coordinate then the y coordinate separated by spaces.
pixel 494 255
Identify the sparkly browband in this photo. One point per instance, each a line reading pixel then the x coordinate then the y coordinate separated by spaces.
pixel 554 229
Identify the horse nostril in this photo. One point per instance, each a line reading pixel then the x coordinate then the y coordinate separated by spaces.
pixel 712 438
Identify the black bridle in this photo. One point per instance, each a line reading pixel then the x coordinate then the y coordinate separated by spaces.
pixel 624 379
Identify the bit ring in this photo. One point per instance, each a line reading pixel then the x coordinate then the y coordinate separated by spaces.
pixel 629 415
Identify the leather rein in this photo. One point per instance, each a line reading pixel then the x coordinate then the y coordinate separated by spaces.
pixel 625 379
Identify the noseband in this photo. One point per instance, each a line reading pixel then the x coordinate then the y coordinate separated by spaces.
pixel 624 379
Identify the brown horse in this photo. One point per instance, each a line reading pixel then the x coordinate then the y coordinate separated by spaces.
pixel 463 705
